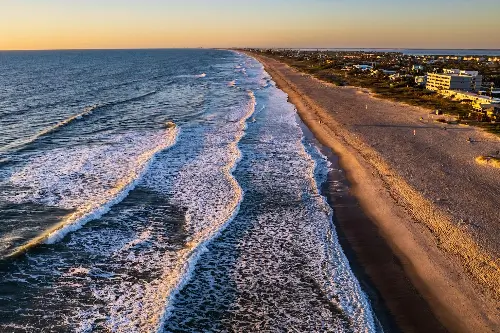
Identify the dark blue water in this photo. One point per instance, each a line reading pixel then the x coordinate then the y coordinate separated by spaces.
pixel 162 190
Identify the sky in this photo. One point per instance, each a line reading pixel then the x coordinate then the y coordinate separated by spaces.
pixel 97 24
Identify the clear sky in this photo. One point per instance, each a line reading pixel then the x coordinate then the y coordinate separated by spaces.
pixel 63 24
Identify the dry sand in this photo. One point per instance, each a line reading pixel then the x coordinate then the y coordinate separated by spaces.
pixel 426 197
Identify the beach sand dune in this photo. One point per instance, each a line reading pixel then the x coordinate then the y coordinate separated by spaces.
pixel 418 181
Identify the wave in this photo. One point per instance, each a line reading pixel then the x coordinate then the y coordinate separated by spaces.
pixel 133 99
pixel 199 245
pixel 240 69
pixel 86 112
pixel 310 228
pixel 341 286
pixel 204 189
pixel 96 209
pixel 190 76
pixel 4 160
pixel 342 280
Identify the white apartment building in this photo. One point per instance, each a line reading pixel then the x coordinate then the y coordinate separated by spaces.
pixel 454 79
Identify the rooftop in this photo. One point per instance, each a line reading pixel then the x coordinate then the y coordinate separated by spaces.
pixel 471 94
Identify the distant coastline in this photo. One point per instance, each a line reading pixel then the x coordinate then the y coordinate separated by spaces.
pixel 406 51
pixel 444 52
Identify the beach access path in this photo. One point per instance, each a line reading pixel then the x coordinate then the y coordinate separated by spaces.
pixel 418 180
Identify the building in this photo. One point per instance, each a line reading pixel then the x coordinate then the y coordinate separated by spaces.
pixel 420 80
pixel 417 68
pixel 492 111
pixel 384 71
pixel 473 58
pixel 460 72
pixel 363 67
pixel 454 79
pixel 399 76
pixel 478 102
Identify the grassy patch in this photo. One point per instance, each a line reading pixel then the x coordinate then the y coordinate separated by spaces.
pixel 489 161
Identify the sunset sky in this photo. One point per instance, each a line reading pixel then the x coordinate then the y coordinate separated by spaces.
pixel 63 24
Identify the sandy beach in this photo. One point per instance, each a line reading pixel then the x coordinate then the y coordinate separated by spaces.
pixel 427 233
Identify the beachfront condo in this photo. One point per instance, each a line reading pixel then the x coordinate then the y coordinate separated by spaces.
pixel 454 79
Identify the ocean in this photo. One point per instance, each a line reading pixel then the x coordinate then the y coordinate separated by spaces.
pixel 163 191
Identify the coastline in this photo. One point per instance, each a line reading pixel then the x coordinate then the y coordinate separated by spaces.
pixel 355 231
pixel 422 282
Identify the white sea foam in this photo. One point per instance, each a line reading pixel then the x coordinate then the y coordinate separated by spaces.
pixel 126 271
pixel 78 271
pixel 88 179
pixel 201 210
pixel 204 186
pixel 268 282
pixel 339 281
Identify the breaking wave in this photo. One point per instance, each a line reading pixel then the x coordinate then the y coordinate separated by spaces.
pixel 18 144
pixel 64 179
pixel 86 112
pixel 200 214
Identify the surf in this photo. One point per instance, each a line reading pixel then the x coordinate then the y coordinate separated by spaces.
pixel 95 210
pixel 199 245
pixel 19 144
pixel 203 220
pixel 87 111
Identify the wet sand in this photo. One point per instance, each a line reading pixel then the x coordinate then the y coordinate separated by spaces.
pixel 426 236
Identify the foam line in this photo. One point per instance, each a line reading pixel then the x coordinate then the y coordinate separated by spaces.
pixel 195 253
pixel 94 211
pixel 133 99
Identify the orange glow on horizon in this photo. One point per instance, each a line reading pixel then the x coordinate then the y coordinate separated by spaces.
pixel 54 24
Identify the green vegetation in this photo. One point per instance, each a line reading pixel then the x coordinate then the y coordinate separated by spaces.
pixel 489 161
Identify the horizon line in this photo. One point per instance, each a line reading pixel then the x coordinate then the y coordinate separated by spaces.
pixel 247 47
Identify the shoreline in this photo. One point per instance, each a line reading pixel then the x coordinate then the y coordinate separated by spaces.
pixel 355 230
pixel 423 287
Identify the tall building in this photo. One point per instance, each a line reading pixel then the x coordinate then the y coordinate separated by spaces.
pixel 454 79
